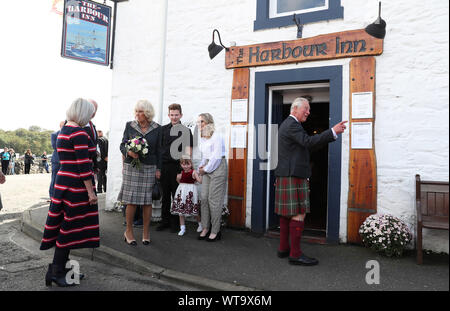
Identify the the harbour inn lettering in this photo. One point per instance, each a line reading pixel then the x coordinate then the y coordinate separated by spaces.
pixel 87 11
pixel 285 52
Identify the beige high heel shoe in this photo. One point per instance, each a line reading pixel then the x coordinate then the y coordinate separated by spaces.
pixel 129 242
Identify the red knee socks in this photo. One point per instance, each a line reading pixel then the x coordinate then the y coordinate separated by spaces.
pixel 284 234
pixel 295 232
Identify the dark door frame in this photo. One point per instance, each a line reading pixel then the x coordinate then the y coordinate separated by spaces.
pixel 263 80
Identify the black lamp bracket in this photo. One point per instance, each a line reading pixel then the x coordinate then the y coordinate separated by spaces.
pixel 378 28
pixel 378 21
pixel 215 30
pixel 299 26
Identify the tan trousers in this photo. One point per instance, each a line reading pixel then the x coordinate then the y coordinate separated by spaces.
pixel 212 196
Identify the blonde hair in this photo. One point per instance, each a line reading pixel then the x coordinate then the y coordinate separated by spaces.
pixel 80 111
pixel 209 128
pixel 147 107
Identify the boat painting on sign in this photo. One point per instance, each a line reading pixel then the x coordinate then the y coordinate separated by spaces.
pixel 86 41
pixel 86 32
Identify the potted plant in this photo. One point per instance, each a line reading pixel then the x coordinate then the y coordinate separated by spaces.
pixel 386 234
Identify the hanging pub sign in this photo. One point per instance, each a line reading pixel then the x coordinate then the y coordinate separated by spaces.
pixel 330 46
pixel 86 31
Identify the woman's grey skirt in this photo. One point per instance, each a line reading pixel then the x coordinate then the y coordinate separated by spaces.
pixel 137 184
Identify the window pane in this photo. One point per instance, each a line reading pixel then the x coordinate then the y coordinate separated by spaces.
pixel 296 5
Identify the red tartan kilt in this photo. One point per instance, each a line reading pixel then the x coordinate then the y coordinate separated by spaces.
pixel 291 196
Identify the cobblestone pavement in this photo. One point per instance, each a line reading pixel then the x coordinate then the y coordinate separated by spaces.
pixel 23 267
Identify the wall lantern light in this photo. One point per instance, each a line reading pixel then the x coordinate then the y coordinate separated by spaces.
pixel 378 28
pixel 215 49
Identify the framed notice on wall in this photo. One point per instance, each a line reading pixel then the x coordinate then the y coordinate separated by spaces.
pixel 361 135
pixel 362 105
pixel 238 136
pixel 239 110
pixel 86 31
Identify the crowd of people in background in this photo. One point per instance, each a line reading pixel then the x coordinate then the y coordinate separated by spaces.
pixel 8 157
pixel 9 160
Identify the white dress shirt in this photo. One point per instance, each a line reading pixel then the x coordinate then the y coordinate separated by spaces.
pixel 212 150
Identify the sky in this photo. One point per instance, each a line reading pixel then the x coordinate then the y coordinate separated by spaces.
pixel 37 85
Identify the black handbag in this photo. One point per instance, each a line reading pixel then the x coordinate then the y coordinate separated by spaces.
pixel 156 193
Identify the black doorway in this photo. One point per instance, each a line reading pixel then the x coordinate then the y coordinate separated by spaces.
pixel 318 121
pixel 316 220
pixel 325 81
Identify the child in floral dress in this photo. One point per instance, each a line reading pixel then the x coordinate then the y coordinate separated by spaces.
pixel 186 201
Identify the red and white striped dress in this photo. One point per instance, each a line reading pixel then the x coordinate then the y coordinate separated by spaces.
pixel 71 221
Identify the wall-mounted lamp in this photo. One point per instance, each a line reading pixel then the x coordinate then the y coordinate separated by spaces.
pixel 299 26
pixel 378 28
pixel 215 49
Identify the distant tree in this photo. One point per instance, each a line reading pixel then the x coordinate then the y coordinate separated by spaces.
pixel 35 138
pixel 34 128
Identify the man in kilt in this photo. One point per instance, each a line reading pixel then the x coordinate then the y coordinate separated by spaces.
pixel 292 173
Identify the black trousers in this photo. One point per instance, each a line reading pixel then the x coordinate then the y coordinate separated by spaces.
pixel 61 256
pixel 101 180
pixel 5 164
pixel 169 186
pixel 27 168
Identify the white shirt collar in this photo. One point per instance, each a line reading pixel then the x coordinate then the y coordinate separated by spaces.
pixel 294 117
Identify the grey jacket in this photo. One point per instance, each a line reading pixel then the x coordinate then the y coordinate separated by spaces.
pixel 153 137
pixel 294 145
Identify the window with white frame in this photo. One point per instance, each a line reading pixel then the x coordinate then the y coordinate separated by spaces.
pixel 279 8
pixel 278 13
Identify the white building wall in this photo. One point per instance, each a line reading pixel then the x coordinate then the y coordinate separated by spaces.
pixel 411 125
pixel 136 75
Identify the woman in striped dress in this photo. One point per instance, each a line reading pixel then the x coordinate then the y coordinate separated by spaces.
pixel 72 220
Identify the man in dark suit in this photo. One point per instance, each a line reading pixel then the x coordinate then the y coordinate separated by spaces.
pixel 92 132
pixel 55 158
pixel 292 173
pixel 90 127
pixel 102 161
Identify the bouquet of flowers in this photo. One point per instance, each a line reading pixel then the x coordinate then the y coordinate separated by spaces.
pixel 137 145
pixel 385 234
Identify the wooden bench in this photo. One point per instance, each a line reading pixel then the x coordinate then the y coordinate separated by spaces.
pixel 431 208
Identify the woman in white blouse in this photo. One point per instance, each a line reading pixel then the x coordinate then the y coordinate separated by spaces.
pixel 213 168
